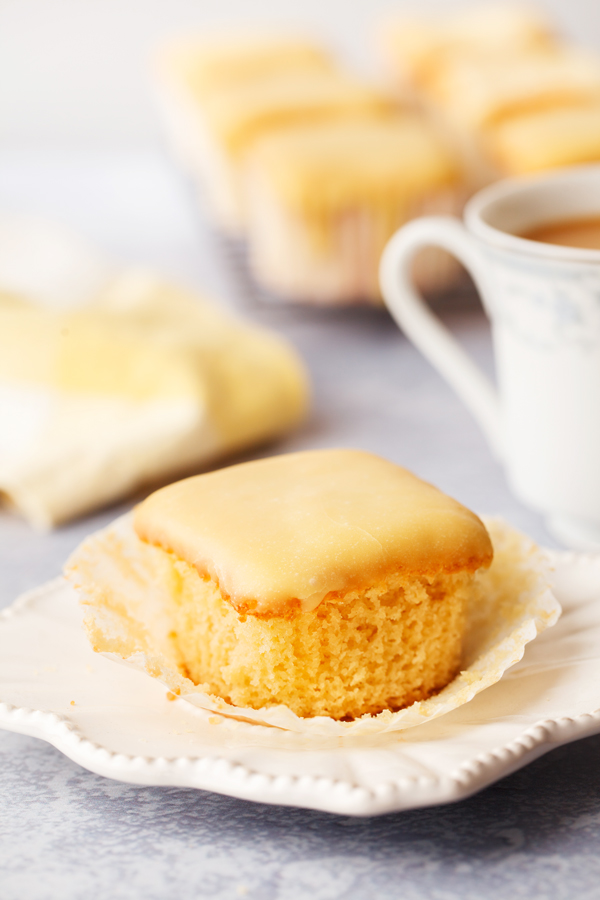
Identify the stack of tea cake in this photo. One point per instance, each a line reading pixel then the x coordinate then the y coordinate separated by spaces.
pixel 514 96
pixel 312 166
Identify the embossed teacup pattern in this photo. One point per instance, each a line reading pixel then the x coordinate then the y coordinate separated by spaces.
pixel 546 311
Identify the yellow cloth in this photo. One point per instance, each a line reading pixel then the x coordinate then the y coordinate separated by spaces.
pixel 144 382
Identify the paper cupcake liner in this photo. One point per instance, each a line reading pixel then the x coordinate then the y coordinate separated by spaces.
pixel 127 621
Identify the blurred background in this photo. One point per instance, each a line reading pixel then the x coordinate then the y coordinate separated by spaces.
pixel 74 73
pixel 82 144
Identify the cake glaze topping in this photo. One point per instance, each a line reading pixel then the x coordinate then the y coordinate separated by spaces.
pixel 281 533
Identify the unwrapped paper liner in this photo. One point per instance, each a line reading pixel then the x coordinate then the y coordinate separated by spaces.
pixel 127 621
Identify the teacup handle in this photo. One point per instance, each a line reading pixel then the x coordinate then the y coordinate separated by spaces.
pixel 425 330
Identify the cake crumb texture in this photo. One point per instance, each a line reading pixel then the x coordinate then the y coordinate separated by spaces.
pixel 383 648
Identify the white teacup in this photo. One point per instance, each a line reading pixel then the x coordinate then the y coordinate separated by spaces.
pixel 543 301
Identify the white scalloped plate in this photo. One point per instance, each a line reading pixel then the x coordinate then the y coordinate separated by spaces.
pixel 119 722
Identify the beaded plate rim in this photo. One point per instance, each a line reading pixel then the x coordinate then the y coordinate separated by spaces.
pixel 218 774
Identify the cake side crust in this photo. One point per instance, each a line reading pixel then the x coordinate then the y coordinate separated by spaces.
pixel 384 648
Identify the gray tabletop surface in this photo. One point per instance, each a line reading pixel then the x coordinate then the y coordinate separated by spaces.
pixel 66 833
